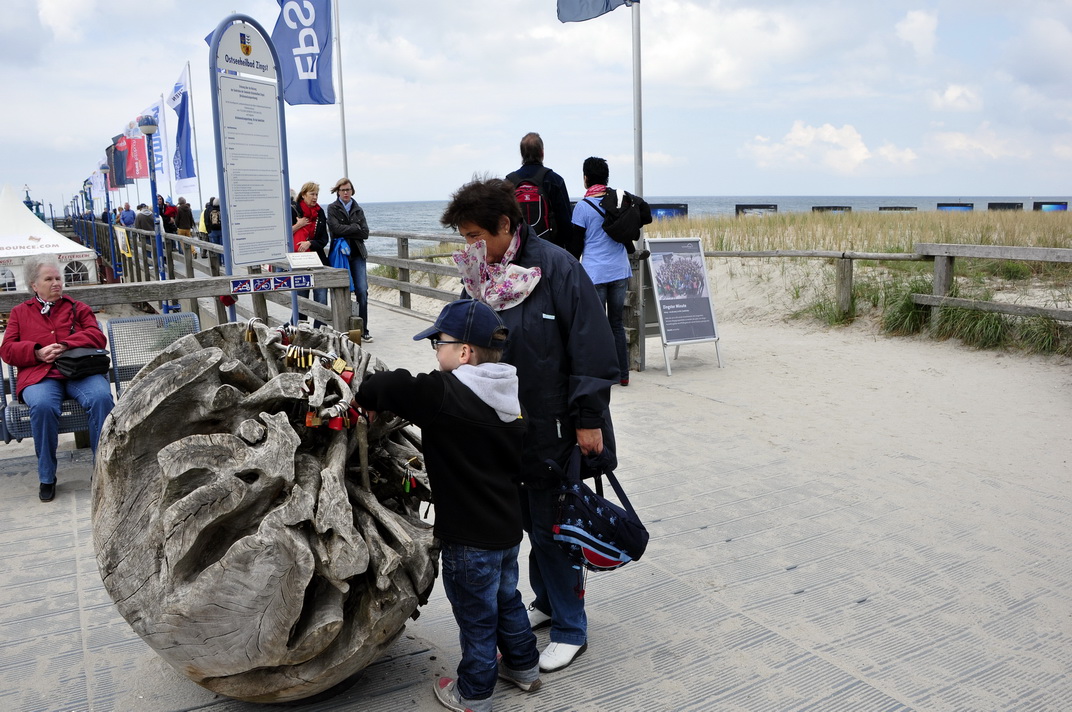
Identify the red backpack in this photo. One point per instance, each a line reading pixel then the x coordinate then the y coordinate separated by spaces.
pixel 535 207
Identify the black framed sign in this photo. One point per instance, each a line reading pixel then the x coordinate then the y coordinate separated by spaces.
pixel 682 293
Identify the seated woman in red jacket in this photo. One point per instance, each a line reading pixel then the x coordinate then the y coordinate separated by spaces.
pixel 38 331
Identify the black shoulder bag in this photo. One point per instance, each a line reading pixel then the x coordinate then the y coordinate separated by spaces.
pixel 83 361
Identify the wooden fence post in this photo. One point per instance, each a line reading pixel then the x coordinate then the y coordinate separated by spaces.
pixel 843 289
pixel 403 274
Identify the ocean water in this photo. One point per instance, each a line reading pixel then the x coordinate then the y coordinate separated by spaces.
pixel 422 217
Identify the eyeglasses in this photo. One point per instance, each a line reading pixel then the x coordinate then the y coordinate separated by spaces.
pixel 436 343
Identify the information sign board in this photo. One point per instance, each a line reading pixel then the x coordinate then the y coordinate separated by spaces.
pixel 250 138
pixel 682 294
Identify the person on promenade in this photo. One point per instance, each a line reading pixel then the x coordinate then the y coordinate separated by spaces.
pixel 472 429
pixel 566 366
pixel 551 185
pixel 144 219
pixel 347 221
pixel 184 218
pixel 38 331
pixel 167 213
pixel 310 231
pixel 126 217
pixel 604 259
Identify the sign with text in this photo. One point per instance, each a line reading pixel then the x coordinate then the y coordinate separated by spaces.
pixel 679 274
pixel 251 143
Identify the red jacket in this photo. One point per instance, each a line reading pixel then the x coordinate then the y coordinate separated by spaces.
pixel 28 328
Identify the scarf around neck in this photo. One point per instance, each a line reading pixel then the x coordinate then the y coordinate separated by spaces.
pixel 46 307
pixel 500 285
pixel 597 189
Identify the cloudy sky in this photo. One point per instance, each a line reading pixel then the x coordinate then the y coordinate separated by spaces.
pixel 769 98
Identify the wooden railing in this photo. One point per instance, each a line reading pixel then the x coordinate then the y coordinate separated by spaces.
pixel 182 263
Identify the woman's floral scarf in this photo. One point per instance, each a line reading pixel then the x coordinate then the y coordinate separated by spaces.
pixel 500 285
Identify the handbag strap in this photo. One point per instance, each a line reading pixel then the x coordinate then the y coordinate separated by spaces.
pixel 572 475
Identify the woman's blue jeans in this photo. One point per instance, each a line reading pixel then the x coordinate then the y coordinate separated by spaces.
pixel 557 583
pixel 612 294
pixel 359 274
pixel 481 585
pixel 93 393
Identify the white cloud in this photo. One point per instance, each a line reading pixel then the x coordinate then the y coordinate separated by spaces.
pixel 897 156
pixel 956 97
pixel 984 142
pixel 66 19
pixel 840 149
pixel 919 29
pixel 1040 54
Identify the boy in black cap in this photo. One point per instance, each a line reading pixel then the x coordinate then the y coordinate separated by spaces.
pixel 471 427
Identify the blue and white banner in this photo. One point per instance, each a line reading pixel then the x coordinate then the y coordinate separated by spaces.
pixel 581 10
pixel 303 40
pixel 183 161
pixel 159 139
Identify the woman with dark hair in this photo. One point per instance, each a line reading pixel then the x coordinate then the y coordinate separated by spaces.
pixel 38 331
pixel 347 222
pixel 562 347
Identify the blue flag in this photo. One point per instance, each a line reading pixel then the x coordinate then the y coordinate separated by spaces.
pixel 302 38
pixel 183 160
pixel 581 10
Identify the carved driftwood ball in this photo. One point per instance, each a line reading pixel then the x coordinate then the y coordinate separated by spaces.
pixel 264 558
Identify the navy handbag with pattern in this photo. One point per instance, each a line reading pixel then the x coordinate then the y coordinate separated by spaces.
pixel 595 532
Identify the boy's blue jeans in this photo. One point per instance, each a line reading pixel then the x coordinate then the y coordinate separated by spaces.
pixel 481 586
pixel 93 393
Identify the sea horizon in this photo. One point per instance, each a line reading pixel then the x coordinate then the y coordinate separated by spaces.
pixel 422 216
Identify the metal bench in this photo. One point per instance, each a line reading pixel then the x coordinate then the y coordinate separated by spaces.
pixel 136 340
pixel 133 342
pixel 16 415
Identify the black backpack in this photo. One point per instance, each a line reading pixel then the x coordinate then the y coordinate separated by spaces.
pixel 212 220
pixel 535 207
pixel 622 223
pixel 593 531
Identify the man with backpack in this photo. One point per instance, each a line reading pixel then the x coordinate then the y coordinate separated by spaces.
pixel 542 195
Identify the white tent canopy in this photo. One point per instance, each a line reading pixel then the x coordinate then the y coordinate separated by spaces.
pixel 23 234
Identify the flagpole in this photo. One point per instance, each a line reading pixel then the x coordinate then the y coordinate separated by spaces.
pixel 163 147
pixel 342 107
pixel 638 121
pixel 193 131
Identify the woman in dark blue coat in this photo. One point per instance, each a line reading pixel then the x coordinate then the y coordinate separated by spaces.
pixel 562 347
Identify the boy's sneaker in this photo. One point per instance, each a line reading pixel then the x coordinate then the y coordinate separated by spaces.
pixel 513 677
pixel 446 691
pixel 537 618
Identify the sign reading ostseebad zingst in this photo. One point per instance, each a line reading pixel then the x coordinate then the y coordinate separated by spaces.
pixel 250 139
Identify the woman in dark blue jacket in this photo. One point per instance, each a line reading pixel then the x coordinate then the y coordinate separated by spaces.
pixel 562 347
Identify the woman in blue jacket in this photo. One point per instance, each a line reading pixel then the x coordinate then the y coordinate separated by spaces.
pixel 563 350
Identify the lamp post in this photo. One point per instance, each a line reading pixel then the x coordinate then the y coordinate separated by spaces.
pixel 108 212
pixel 148 126
pixel 92 223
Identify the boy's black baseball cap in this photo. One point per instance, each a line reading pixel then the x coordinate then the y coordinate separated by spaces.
pixel 469 321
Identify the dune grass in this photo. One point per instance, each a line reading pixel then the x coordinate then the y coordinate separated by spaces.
pixel 884 288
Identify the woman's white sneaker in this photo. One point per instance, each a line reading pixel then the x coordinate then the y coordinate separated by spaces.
pixel 559 655
pixel 537 618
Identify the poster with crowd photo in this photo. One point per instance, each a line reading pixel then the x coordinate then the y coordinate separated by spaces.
pixel 679 276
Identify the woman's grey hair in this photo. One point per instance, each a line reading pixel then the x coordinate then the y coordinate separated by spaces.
pixel 31 270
